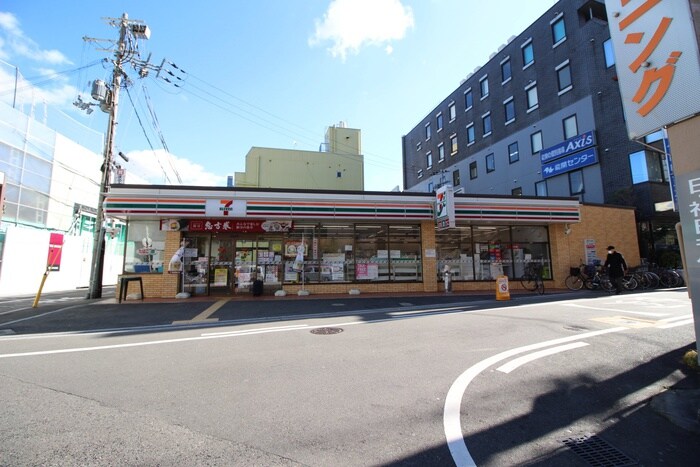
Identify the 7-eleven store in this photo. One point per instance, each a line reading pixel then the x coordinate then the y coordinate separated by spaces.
pixel 336 241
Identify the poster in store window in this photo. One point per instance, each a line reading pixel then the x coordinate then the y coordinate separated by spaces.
pixel 366 271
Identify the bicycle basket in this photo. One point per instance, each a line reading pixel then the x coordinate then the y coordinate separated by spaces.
pixel 574 272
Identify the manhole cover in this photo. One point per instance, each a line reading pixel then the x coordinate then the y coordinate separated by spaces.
pixel 326 331
pixel 598 452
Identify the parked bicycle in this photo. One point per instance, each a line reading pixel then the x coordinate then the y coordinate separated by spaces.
pixel 532 278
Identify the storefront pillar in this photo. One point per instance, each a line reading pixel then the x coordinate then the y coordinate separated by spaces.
pixel 171 282
pixel 430 272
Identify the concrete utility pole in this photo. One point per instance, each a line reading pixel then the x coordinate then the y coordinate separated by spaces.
pixel 125 51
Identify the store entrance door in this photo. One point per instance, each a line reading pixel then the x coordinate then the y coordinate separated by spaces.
pixel 221 265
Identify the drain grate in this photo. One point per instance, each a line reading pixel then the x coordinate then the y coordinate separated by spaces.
pixel 326 331
pixel 598 452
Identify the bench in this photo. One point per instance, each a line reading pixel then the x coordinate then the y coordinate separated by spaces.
pixel 124 286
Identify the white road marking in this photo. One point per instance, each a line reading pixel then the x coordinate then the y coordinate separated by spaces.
pixel 676 324
pixel 453 401
pixel 513 364
pixel 616 310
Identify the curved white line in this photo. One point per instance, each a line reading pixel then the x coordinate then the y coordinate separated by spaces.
pixel 520 361
pixel 452 413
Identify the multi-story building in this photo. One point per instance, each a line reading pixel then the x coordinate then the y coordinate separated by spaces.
pixel 337 165
pixel 544 117
pixel 50 166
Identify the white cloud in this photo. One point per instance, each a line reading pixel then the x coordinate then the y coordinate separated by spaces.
pixel 13 43
pixel 352 24
pixel 151 166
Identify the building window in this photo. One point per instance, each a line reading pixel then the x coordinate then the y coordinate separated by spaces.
pixel 419 146
pixel 486 123
pixel 531 95
pixel 541 188
pixel 453 111
pixel 506 72
pixel 576 182
pixel 536 142
pixel 490 163
pixel 468 99
pixel 429 159
pixel 428 131
pixel 441 152
pixel 484 87
pixel 564 77
pixel 558 30
pixel 439 122
pixel 455 178
pixel 609 53
pixel 420 173
pixel 513 153
pixel 453 144
pixel 570 127
pixel 470 134
pixel 646 167
pixel 518 191
pixel 472 170
pixel 509 109
pixel 528 53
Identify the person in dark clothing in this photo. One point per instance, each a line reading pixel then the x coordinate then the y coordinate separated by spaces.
pixel 617 267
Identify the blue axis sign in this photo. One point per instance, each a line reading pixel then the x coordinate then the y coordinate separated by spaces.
pixel 572 162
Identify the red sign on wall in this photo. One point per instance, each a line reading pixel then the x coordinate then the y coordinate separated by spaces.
pixel 53 262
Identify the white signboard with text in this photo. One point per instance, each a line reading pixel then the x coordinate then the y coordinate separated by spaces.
pixel 656 58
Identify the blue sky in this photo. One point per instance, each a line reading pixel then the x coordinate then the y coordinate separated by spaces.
pixel 269 73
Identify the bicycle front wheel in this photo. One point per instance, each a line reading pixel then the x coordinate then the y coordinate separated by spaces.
pixel 574 282
pixel 529 282
pixel 540 286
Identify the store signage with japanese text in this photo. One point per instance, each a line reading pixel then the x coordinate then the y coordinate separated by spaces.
pixel 689 206
pixel 445 207
pixel 570 163
pixel 656 54
pixel 569 146
pixel 225 225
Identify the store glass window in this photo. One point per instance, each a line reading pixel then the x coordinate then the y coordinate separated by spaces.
pixel 484 252
pixel 455 253
pixel 405 262
pixel 531 245
pixel 145 247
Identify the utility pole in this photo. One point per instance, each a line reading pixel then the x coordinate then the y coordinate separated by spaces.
pixel 126 50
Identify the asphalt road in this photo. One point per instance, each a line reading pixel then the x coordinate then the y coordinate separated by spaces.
pixel 439 380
